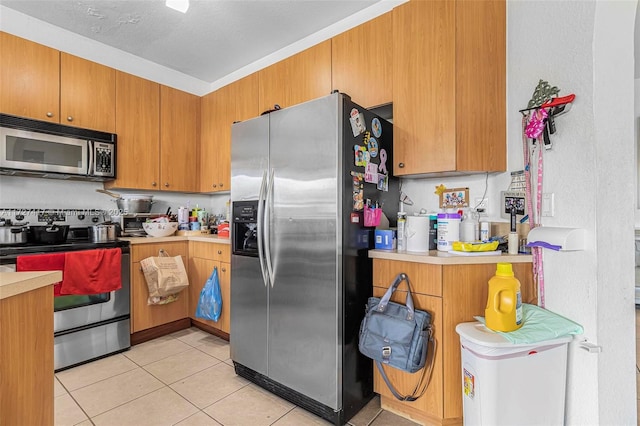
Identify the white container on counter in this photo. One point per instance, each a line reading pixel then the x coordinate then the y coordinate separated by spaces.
pixel 418 234
pixel 448 230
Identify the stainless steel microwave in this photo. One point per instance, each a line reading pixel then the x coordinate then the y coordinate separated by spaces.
pixel 37 148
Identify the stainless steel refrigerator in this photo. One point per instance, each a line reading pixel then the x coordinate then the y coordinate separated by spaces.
pixel 300 273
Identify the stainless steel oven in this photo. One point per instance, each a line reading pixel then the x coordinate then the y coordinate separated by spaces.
pixel 86 327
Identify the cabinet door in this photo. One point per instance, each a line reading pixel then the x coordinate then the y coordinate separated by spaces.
pixel 237 101
pixel 481 81
pixel 144 316
pixel 215 140
pixel 299 78
pixel 431 403
pixel 200 270
pixel 178 140
pixel 361 64
pixel 424 92
pixel 138 129
pixel 29 79
pixel 211 134
pixel 87 94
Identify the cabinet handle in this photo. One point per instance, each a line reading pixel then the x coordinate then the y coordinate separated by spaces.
pixel 49 114
pixel 166 184
pixel 153 184
pixel 221 185
pixel 219 251
pixel 69 118
pixel 214 185
pixel 224 269
pixel 401 165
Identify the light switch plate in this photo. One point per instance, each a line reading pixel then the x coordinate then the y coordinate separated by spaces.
pixel 548 204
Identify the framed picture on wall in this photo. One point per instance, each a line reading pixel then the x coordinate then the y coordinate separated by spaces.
pixel 454 198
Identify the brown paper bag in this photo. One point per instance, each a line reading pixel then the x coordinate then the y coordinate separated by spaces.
pixel 166 276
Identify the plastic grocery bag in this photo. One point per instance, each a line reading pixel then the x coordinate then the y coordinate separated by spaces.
pixel 210 302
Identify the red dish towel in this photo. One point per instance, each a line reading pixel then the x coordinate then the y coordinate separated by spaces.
pixel 42 262
pixel 92 271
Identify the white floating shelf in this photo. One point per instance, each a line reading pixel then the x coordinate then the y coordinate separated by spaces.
pixel 566 239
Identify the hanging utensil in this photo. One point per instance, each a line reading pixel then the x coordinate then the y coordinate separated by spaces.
pixel 109 193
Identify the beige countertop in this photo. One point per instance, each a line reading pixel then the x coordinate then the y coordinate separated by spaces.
pixel 436 257
pixel 14 283
pixel 212 238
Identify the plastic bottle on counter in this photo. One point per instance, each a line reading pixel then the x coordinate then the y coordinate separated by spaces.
pixel 484 230
pixel 448 230
pixel 401 233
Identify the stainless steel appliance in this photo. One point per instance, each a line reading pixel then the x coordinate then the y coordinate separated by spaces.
pixel 86 327
pixel 131 223
pixel 300 179
pixel 38 148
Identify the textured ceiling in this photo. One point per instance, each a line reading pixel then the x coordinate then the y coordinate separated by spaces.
pixel 213 39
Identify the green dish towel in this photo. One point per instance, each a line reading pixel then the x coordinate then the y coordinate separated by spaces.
pixel 538 325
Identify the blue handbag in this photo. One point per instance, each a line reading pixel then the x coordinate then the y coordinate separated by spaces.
pixel 397 335
pixel 210 301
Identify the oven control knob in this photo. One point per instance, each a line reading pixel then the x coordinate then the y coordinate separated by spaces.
pixel 95 219
pixel 19 217
pixel 81 216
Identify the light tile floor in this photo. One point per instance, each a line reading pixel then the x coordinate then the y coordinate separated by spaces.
pixel 185 378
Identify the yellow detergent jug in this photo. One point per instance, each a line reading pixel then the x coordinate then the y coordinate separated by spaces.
pixel 504 302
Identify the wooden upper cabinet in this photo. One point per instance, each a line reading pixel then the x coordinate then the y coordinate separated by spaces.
pixel 45 84
pixel 138 130
pixel 424 87
pixel 237 101
pixel 178 140
pixel 87 94
pixel 298 78
pixel 481 81
pixel 361 64
pixel 449 87
pixel 215 141
pixel 29 79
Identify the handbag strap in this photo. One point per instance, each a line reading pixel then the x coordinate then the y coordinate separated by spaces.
pixel 425 384
pixel 384 301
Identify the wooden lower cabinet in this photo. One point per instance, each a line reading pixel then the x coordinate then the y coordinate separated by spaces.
pixel 452 294
pixel 26 358
pixel 144 316
pixel 203 258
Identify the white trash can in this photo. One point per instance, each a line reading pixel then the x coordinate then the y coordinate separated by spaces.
pixel 511 384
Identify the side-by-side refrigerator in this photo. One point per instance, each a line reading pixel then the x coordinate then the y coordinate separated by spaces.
pixel 302 178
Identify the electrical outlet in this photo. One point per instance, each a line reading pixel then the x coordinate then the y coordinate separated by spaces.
pixel 482 203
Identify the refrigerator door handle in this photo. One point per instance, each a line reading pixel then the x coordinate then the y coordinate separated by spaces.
pixel 261 199
pixel 267 229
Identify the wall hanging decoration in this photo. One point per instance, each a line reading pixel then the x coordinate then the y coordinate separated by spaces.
pixel 454 198
pixel 538 123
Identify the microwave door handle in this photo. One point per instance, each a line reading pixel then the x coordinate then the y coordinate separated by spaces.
pixel 89 170
pixel 261 197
